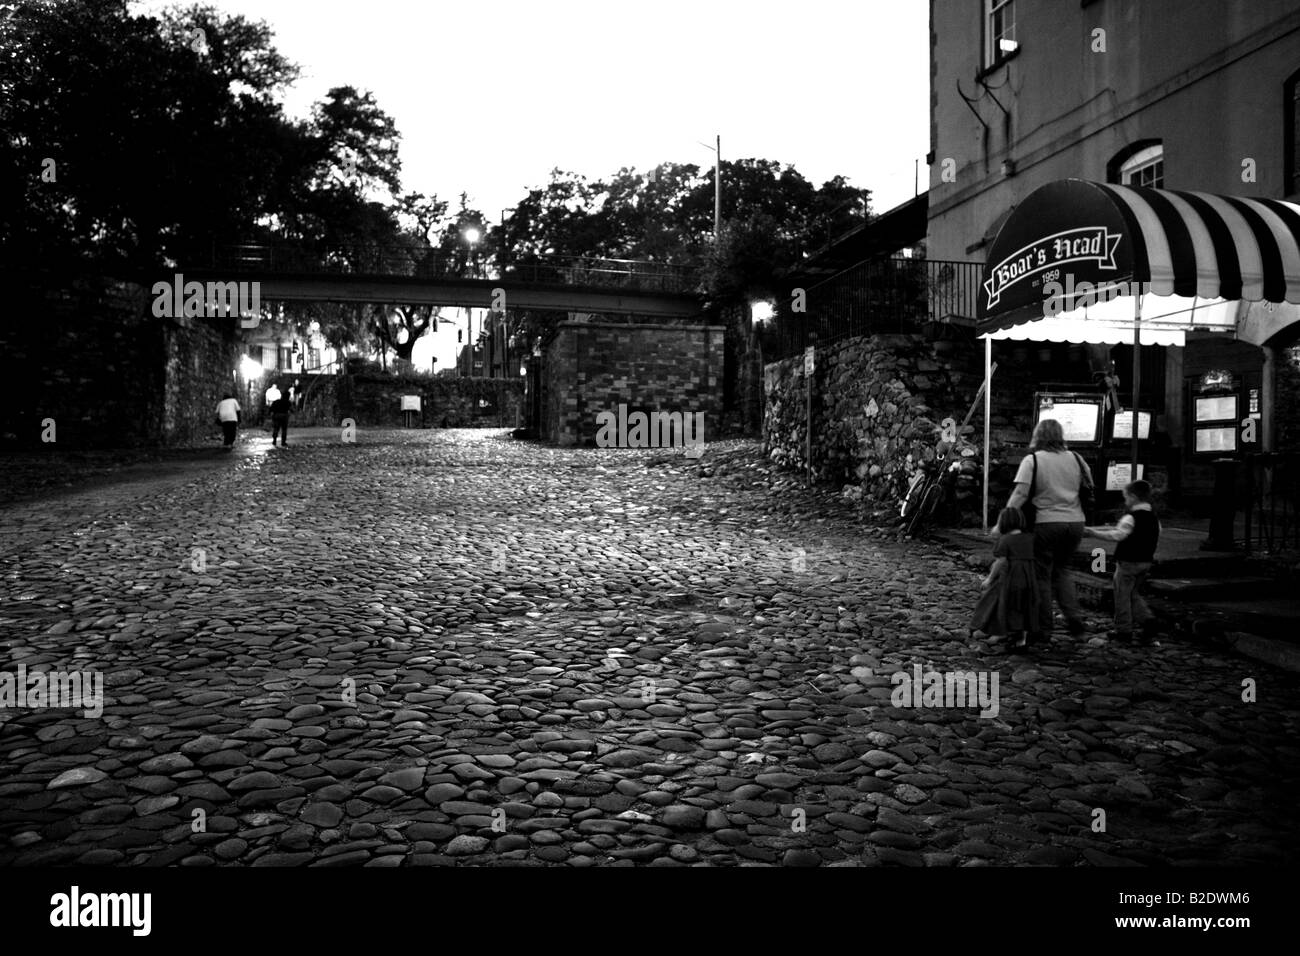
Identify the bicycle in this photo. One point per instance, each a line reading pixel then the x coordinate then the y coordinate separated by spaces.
pixel 933 481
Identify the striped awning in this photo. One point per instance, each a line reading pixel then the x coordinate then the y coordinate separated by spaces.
pixel 1078 261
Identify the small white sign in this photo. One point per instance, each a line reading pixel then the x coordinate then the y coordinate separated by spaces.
pixel 1117 475
pixel 1124 425
pixel 410 403
pixel 809 360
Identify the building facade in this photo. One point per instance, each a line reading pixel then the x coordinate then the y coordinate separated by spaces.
pixel 1169 94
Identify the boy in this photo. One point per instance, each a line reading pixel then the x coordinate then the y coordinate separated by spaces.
pixel 1138 533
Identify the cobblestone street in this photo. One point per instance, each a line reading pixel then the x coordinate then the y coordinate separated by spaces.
pixel 454 648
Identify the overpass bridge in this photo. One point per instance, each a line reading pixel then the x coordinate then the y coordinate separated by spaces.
pixel 404 276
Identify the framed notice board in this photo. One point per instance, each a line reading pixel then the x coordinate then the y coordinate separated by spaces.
pixel 1121 428
pixel 1080 414
pixel 1215 423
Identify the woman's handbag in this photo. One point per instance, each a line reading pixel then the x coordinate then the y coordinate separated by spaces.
pixel 1028 509
pixel 1087 492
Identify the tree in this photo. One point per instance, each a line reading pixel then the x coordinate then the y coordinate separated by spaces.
pixel 771 217
pixel 133 141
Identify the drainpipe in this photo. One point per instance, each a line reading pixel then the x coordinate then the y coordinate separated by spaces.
pixel 1266 398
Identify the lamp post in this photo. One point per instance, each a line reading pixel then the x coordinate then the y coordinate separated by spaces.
pixel 471 235
pixel 505 249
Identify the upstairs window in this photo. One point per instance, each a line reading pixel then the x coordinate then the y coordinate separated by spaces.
pixel 999 25
pixel 1146 167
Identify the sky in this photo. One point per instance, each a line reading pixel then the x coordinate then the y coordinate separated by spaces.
pixel 491 95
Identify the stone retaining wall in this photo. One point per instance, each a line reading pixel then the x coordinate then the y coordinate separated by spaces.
pixel 89 354
pixel 376 399
pixel 878 405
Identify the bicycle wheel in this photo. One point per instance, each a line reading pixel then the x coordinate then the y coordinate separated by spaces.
pixel 929 502
pixel 912 497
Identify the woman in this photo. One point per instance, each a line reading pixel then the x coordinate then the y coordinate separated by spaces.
pixel 1056 475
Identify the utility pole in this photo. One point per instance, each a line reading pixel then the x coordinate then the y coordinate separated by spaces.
pixel 717 192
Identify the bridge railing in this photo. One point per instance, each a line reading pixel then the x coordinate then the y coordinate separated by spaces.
pixel 398 261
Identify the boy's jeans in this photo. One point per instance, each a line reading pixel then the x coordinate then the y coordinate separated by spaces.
pixel 1130 609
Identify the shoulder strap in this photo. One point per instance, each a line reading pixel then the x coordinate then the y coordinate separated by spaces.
pixel 1084 474
pixel 1033 482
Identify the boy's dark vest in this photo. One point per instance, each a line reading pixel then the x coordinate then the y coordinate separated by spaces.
pixel 1141 544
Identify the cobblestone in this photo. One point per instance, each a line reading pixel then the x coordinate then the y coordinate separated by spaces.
pixel 453 649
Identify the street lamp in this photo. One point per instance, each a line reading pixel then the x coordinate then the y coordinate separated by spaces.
pixel 472 236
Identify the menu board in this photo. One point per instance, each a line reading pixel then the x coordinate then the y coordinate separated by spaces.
pixel 1078 412
pixel 1216 408
pixel 1123 425
pixel 1216 439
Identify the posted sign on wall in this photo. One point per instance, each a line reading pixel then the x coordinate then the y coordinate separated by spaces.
pixel 809 360
pixel 410 403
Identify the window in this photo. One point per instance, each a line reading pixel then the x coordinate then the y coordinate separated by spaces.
pixel 1146 167
pixel 286 358
pixel 1291 132
pixel 313 358
pixel 999 25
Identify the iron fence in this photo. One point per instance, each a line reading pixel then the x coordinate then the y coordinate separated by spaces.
pixel 1273 501
pixel 880 296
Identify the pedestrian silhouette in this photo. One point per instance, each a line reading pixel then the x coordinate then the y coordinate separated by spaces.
pixel 280 420
pixel 228 416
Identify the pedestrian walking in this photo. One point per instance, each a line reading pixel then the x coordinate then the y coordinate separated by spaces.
pixel 280 420
pixel 1137 534
pixel 1008 604
pixel 1051 487
pixel 228 415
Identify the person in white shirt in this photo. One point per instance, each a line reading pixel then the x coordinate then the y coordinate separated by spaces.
pixel 1050 479
pixel 228 415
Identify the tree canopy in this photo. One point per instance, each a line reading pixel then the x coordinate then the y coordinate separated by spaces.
pixel 131 143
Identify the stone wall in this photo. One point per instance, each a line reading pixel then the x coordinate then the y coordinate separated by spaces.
pixel 591 367
pixel 374 399
pixel 201 358
pixel 878 405
pixel 742 373
pixel 90 354
pixel 879 401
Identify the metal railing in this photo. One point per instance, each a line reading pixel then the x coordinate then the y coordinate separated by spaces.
pixel 880 296
pixel 374 260
pixel 1273 501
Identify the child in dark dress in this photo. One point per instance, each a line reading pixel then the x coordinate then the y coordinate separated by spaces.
pixel 1008 605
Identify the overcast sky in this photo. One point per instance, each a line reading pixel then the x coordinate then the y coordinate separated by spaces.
pixel 490 95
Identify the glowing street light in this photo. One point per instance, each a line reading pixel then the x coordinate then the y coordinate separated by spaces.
pixel 250 368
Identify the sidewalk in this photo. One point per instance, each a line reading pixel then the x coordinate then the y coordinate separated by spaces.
pixel 1226 597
